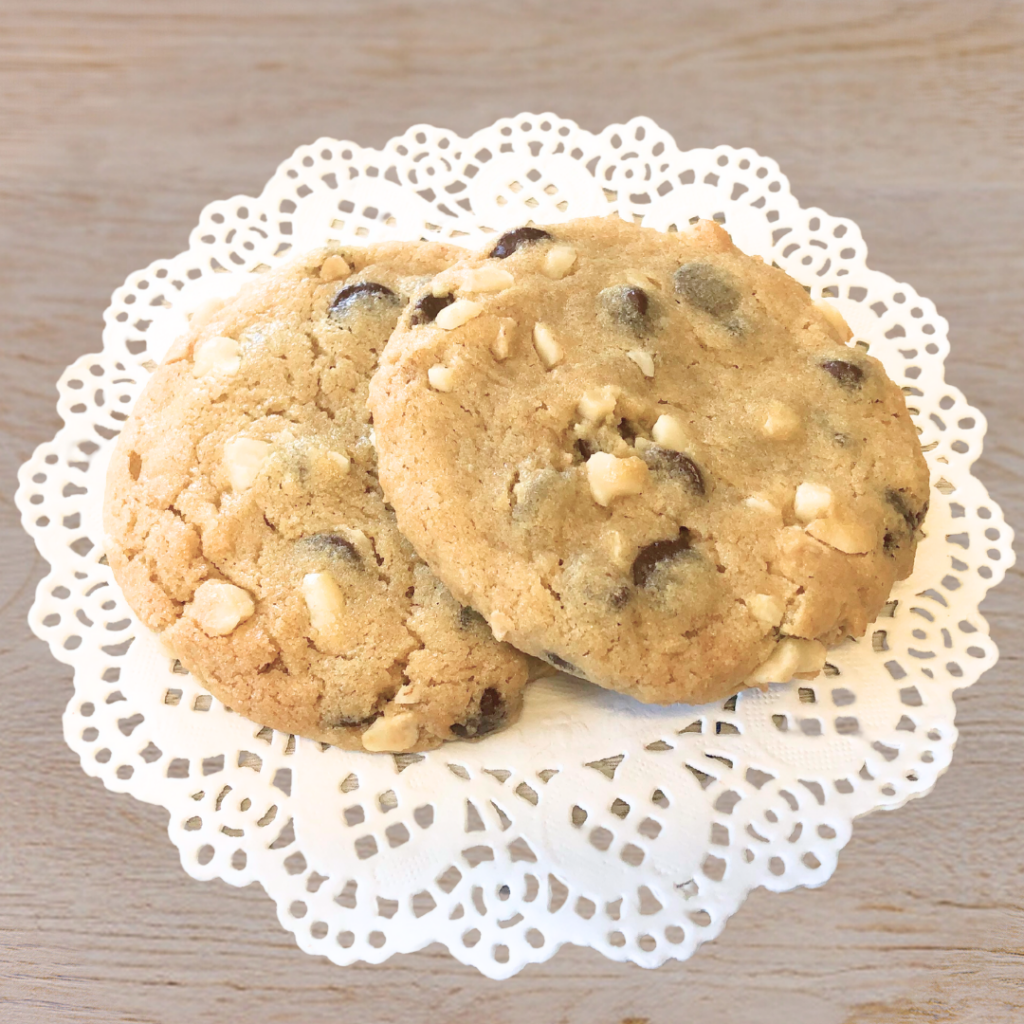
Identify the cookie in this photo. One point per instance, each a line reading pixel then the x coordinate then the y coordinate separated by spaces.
pixel 647 458
pixel 245 521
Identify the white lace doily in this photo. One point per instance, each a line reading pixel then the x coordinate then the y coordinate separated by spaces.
pixel 597 821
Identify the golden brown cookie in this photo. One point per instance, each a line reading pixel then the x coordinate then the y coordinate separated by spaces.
pixel 647 457
pixel 245 521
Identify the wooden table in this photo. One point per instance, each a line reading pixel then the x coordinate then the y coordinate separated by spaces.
pixel 118 121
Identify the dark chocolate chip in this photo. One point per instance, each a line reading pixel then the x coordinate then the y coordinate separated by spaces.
pixel 513 240
pixel 651 557
pixel 620 596
pixel 890 542
pixel 848 375
pixel 359 291
pixel 491 716
pixel 677 465
pixel 707 288
pixel 585 448
pixel 907 514
pixel 628 305
pixel 468 617
pixel 565 666
pixel 491 703
pixel 425 311
pixel 332 544
pixel 346 722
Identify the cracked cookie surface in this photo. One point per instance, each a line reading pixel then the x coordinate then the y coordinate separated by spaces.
pixel 245 521
pixel 648 458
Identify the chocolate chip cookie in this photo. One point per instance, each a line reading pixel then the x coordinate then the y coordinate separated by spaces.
pixel 245 521
pixel 647 458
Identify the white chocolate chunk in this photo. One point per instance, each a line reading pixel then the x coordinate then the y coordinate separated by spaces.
pixel 392 734
pixel 218 607
pixel 766 608
pixel 500 345
pixel 205 313
pixel 791 655
pixel 335 268
pixel 243 459
pixel 486 279
pixel 598 403
pixel 456 314
pixel 616 547
pixel 325 604
pixel 341 462
pixel 441 378
pixel 835 320
pixel 670 433
pixel 782 422
pixel 216 355
pixel 501 625
pixel 558 261
pixel 642 359
pixel 812 501
pixel 610 477
pixel 851 538
pixel 548 349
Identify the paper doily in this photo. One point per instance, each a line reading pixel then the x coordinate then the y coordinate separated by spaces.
pixel 598 821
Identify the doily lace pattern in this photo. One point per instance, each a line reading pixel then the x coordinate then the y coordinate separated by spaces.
pixel 596 821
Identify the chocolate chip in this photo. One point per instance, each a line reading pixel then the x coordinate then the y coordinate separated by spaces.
pixel 346 722
pixel 359 291
pixel 907 514
pixel 890 542
pixel 707 288
pixel 628 305
pixel 620 596
pixel 514 240
pixel 425 311
pixel 491 716
pixel 676 465
pixel 849 376
pixel 332 544
pixel 651 557
pixel 565 666
pixel 468 617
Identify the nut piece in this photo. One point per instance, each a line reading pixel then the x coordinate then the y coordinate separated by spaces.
pixel 558 260
pixel 335 268
pixel 205 313
pixel 392 734
pixel 610 477
pixel 762 504
pixel 218 607
pixel 243 459
pixel 766 608
pixel 839 326
pixel 812 501
pixel 457 313
pixel 500 345
pixel 341 462
pixel 441 378
pixel 598 403
pixel 782 422
pixel 791 656
pixel 325 604
pixel 486 279
pixel 670 433
pixel 851 538
pixel 548 349
pixel 642 359
pixel 216 355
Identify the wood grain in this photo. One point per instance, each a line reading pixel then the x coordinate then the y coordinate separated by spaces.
pixel 119 121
